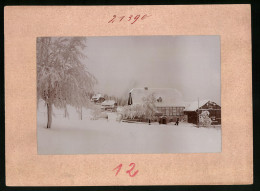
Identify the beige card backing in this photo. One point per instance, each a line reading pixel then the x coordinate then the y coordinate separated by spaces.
pixel 234 165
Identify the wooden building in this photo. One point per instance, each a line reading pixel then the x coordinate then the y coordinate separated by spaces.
pixel 193 109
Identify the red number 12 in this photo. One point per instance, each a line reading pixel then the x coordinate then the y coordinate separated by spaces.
pixel 128 171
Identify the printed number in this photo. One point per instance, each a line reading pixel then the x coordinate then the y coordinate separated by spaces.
pixel 129 172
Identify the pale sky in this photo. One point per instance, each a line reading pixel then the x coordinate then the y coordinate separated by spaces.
pixel 190 64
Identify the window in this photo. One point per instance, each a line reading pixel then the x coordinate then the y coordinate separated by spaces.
pixel 178 111
pixel 167 111
pixel 174 111
pixel 170 111
pixel 164 110
pixel 181 111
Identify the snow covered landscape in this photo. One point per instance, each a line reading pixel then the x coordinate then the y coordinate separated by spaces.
pixel 132 94
pixel 74 136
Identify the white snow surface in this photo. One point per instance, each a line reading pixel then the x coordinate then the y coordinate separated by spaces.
pixel 108 136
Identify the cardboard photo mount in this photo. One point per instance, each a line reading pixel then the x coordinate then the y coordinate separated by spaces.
pixel 24 167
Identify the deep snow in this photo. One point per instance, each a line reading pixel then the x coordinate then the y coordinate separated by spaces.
pixel 75 136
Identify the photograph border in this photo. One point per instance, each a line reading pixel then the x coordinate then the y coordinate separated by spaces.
pixel 256 84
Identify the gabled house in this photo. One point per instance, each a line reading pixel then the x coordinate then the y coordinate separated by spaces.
pixel 168 102
pixel 193 109
pixel 109 105
pixel 97 98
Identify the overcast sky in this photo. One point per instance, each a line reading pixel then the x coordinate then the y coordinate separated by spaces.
pixel 190 64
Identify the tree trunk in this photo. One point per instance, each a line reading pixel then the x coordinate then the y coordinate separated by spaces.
pixel 81 113
pixel 49 113
pixel 65 112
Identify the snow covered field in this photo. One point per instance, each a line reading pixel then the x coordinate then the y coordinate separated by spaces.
pixel 103 136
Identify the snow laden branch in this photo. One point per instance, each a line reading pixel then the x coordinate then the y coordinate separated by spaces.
pixel 204 119
pixel 149 105
pixel 62 77
pixel 133 111
pixel 145 110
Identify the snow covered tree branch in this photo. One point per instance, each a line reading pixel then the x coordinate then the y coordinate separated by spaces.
pixel 149 105
pixel 145 110
pixel 204 119
pixel 62 78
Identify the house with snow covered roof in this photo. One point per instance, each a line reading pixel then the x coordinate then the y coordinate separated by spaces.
pixel 193 109
pixel 109 105
pixel 169 104
pixel 97 98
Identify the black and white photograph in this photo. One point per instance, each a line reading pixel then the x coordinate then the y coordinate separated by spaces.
pixel 128 95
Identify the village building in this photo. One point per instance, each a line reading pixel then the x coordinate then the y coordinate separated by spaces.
pixel 193 109
pixel 109 105
pixel 168 103
pixel 97 98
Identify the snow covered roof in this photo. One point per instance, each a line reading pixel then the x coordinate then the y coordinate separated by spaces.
pixel 193 106
pixel 168 97
pixel 97 96
pixel 108 102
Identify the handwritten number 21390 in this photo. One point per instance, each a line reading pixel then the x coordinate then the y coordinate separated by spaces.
pixel 129 172
pixel 119 19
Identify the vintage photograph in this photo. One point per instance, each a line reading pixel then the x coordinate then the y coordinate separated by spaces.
pixel 128 94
